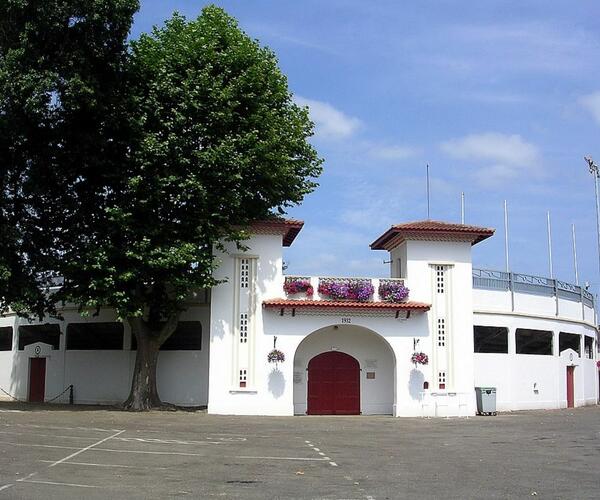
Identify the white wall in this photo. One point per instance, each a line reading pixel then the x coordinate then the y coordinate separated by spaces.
pixel 225 395
pixel 104 376
pixel 531 305
pixel 457 255
pixel 527 381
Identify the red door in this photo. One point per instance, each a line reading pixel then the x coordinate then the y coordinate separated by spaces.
pixel 37 379
pixel 570 387
pixel 333 384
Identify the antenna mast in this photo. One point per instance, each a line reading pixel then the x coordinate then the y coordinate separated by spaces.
pixel 428 214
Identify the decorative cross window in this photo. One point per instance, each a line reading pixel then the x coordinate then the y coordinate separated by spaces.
pixel 243 328
pixel 244 273
pixel 441 332
pixel 440 278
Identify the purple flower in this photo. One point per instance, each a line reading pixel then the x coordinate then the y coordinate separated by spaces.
pixel 393 291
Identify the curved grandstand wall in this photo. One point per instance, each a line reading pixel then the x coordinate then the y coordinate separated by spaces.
pixel 528 357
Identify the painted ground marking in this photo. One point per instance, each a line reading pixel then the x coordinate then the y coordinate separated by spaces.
pixel 5 487
pixel 91 464
pixel 318 450
pixel 307 459
pixel 85 449
pixel 32 445
pixel 35 434
pixel 60 427
pixel 54 483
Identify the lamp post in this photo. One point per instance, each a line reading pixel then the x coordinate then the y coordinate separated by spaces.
pixel 595 171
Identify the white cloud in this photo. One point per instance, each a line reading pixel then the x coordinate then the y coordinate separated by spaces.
pixel 394 152
pixel 498 157
pixel 330 122
pixel 591 103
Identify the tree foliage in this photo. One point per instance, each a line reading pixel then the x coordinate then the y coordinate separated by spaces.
pixel 61 67
pixel 139 162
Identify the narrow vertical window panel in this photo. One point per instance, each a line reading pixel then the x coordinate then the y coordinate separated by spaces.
pixel 569 341
pixel 589 347
pixel 6 338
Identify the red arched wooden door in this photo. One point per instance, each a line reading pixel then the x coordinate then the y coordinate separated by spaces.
pixel 333 384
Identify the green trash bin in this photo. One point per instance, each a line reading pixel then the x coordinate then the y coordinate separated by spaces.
pixel 486 400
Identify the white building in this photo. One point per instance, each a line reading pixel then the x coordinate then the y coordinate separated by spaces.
pixel 348 347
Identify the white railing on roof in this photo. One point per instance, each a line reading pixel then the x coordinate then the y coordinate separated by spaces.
pixel 487 279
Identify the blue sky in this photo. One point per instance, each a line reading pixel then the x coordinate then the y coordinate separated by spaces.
pixel 501 98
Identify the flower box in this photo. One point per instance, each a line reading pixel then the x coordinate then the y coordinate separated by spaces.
pixel 392 291
pixel 346 289
pixel 294 286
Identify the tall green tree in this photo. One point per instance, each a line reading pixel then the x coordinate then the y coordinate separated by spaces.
pixel 215 142
pixel 62 127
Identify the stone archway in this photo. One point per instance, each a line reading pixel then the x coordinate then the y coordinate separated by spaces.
pixel 376 369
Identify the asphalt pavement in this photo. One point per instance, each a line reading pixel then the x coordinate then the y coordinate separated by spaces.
pixel 61 452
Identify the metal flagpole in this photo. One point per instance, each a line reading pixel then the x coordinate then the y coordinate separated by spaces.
pixel 506 236
pixel 462 207
pixel 550 246
pixel 594 171
pixel 428 192
pixel 575 254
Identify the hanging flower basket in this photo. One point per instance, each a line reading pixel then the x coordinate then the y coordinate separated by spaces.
pixel 298 285
pixel 275 356
pixel 419 358
pixel 393 291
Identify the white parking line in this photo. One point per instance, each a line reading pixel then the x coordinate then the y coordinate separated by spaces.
pixel 91 464
pixel 85 449
pixel 35 426
pixel 54 483
pixel 34 434
pixel 153 452
pixel 284 458
pixel 318 450
pixel 5 487
pixel 33 445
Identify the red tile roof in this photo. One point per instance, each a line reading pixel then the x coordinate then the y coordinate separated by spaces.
pixel 433 228
pixel 322 304
pixel 289 228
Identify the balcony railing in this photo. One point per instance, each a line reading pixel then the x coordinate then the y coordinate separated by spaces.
pixel 343 288
pixel 536 285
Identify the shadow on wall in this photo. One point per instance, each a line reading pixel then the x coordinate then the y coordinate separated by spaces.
pixel 19 376
pixel 218 329
pixel 276 383
pixel 415 384
pixel 268 271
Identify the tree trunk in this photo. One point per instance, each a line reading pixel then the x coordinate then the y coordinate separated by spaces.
pixel 144 395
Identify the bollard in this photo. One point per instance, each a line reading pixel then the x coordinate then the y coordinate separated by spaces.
pixel 71 394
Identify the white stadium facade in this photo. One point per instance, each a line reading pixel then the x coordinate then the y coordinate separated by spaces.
pixel 351 345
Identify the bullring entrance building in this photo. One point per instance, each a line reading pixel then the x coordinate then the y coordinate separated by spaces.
pixel 264 343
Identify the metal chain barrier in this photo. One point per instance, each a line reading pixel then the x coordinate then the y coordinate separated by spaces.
pixel 11 396
pixel 68 388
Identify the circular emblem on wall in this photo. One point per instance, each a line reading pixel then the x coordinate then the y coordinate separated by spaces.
pixel 37 350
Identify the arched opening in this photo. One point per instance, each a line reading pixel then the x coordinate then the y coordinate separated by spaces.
pixel 333 384
pixel 355 362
